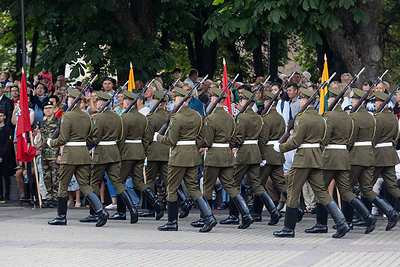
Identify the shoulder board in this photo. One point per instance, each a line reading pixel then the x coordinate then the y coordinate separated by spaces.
pixel 123 114
pixel 94 115
pixel 299 114
pixel 377 113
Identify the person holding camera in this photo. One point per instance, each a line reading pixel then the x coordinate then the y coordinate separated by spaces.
pixel 38 97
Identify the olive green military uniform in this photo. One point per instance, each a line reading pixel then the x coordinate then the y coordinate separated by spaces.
pixel 387 131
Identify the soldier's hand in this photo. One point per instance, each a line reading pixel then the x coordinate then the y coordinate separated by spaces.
pixel 48 142
pixel 58 160
pixel 276 148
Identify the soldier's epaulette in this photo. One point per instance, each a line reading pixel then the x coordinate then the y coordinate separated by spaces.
pixel 265 114
pixel 94 115
pixel 299 114
pixel 123 114
pixel 377 113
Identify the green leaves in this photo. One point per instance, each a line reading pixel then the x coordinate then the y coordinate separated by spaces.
pixel 330 20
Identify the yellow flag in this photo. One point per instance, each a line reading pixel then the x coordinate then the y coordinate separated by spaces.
pixel 323 99
pixel 131 84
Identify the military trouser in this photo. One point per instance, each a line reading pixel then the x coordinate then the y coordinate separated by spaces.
pixel 364 175
pixel 134 169
pixel 225 175
pixel 82 177
pixel 389 176
pixel 50 170
pixel 297 178
pixel 152 169
pixel 253 172
pixel 113 171
pixel 276 174
pixel 175 177
pixel 342 181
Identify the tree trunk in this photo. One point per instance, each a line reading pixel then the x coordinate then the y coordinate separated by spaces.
pixel 190 49
pixel 273 55
pixel 206 56
pixel 335 62
pixel 235 57
pixel 257 59
pixel 358 43
pixel 35 40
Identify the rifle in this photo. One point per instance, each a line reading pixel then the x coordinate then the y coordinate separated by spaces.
pixel 133 103
pixel 246 105
pixel 303 108
pixel 73 104
pixel 179 105
pixel 107 103
pixel 338 97
pixel 227 88
pixel 364 97
pixel 162 98
pixel 387 99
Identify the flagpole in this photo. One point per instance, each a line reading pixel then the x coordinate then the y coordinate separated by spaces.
pixel 23 36
pixel 36 173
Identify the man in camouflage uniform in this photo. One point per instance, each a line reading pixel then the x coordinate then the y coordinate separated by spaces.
pixel 50 167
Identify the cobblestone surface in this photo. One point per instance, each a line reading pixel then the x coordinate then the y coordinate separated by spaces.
pixel 27 240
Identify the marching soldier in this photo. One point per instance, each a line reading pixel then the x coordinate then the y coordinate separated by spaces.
pixel 107 130
pixel 75 160
pixel 133 146
pixel 309 131
pixel 248 128
pixel 184 162
pixel 218 129
pixel 336 165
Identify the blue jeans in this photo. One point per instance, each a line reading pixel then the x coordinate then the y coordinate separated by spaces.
pixel 225 196
pixel 130 187
pixel 111 189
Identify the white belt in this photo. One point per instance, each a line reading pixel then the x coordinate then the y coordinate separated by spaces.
pixel 185 143
pixel 250 142
pixel 274 142
pixel 389 144
pixel 364 143
pixel 75 144
pixel 107 143
pixel 220 145
pixel 133 141
pixel 333 146
pixel 315 145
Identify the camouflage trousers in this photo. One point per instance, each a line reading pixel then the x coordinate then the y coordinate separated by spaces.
pixel 50 178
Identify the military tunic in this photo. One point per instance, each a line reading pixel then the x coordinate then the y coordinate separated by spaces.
pixel 75 159
pixel 219 160
pixel 309 130
pixel 185 159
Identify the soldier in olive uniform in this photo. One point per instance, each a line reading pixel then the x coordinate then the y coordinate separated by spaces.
pixel 50 167
pixel 362 158
pixel 75 160
pixel 218 129
pixel 336 166
pixel 248 128
pixel 184 161
pixel 133 146
pixel 309 131
pixel 107 130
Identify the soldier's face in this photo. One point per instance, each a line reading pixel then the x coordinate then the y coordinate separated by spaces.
pixel 354 101
pixel 378 104
pixel 303 101
pixel 48 110
pixel 266 102
pixel 330 100
pixel 70 100
pixel 99 104
pixel 127 102
pixel 213 99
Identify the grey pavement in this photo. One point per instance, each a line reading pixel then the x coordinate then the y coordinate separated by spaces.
pixel 27 240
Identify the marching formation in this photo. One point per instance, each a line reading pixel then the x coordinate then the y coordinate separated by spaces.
pixel 351 149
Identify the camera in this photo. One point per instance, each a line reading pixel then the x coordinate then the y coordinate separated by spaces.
pixel 40 77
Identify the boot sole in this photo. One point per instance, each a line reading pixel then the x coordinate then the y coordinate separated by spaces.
pixel 117 219
pixel 168 229
pixel 210 227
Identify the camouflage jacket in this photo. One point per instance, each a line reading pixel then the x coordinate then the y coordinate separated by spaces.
pixel 47 128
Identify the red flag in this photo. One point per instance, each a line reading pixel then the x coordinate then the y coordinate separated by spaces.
pixel 227 102
pixel 25 152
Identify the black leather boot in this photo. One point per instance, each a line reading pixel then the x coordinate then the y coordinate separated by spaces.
pixel 148 209
pixel 233 217
pixel 61 218
pixel 322 221
pixel 172 224
pixel 185 204
pixel 198 223
pixel 92 215
pixel 300 213
pixel 290 223
pixel 370 220
pixel 391 214
pixel 153 200
pixel 241 205
pixel 256 212
pixel 98 208
pixel 126 198
pixel 121 210
pixel 209 219
pixel 338 218
pixel 269 204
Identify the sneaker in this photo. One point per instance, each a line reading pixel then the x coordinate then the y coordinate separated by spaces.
pixel 70 203
pixel 77 204
pixel 111 207
pixel 223 206
pixel 375 211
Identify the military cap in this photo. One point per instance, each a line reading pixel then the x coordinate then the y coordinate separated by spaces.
pixel 48 103
pixel 158 95
pixel 103 96
pixel 181 92
pixel 247 94
pixel 217 92
pixel 157 85
pixel 333 92
pixel 357 93
pixel 72 92
pixel 380 96
pixel 304 92
pixel 129 94
pixel 269 96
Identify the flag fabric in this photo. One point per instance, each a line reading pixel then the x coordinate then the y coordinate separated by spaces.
pixel 25 152
pixel 323 98
pixel 227 101
pixel 131 84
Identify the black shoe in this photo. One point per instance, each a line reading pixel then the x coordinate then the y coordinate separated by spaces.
pixel 172 224
pixel 275 216
pixel 90 218
pixel 391 214
pixel 169 226
pixel 341 230
pixel 103 216
pixel 247 220
pixel 285 232
pixel 58 220
pixel 256 217
pixel 338 217
pixel 317 228
pixel 290 223
pixel 61 218
pixel 232 219
pixel 146 213
pixel 348 223
pixel 118 216
pixel 209 219
pixel 393 217
pixel 198 223
pixel 359 222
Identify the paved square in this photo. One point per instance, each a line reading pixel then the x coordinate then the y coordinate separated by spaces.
pixel 27 240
